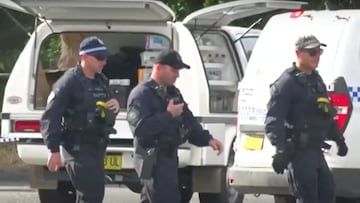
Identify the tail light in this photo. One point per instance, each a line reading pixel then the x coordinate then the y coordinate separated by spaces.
pixel 27 126
pixel 341 100
pixel 342 103
pixel 296 13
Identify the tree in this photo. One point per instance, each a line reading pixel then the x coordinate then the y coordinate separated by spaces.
pixel 13 38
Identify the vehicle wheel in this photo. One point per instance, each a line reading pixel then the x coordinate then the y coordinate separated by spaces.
pixel 134 187
pixel 64 193
pixel 228 195
pixel 284 199
pixel 347 200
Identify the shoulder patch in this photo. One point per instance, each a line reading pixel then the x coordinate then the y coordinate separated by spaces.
pixel 50 97
pixel 133 116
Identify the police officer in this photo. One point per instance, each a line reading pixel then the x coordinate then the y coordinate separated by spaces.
pixel 79 116
pixel 160 121
pixel 299 119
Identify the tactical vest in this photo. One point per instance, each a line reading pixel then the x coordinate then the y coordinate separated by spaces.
pixel 180 130
pixel 83 117
pixel 308 123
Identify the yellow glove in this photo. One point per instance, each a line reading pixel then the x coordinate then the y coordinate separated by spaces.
pixel 102 108
pixel 325 106
pixel 106 114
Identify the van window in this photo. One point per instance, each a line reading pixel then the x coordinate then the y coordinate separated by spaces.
pixel 130 61
pixel 220 69
pixel 248 43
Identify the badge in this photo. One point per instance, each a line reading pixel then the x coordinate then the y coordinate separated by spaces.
pixel 133 116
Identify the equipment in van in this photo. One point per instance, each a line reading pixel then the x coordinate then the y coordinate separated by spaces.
pixel 120 89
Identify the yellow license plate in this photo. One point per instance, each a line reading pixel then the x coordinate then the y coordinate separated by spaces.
pixel 112 162
pixel 254 142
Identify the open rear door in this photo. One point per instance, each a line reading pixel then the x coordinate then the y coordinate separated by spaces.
pixel 134 10
pixel 223 14
pixel 12 5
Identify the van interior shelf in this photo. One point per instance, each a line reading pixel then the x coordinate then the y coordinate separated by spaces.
pixel 222 83
pixel 214 65
pixel 208 48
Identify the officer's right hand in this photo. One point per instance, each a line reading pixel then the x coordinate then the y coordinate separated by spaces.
pixel 280 162
pixel 113 105
pixel 54 161
pixel 175 109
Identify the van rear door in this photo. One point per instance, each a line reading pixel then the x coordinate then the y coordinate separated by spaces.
pixel 141 16
pixel 224 63
pixel 223 14
pixel 134 10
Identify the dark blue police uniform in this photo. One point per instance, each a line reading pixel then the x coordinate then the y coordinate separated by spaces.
pixel 71 120
pixel 298 122
pixel 157 132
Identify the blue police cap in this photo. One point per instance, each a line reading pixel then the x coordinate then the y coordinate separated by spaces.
pixel 93 46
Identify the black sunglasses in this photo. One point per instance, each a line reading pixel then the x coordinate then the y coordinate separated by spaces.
pixel 99 57
pixel 313 52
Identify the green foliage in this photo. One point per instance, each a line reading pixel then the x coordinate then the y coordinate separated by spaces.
pixel 214 2
pixel 183 7
pixel 11 35
pixel 50 51
pixel 13 39
pixel 8 59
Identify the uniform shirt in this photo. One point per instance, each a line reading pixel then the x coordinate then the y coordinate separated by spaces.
pixel 153 125
pixel 69 94
pixel 294 103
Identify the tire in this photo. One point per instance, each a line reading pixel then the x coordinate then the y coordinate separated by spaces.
pixel 347 200
pixel 134 187
pixel 284 199
pixel 228 194
pixel 64 193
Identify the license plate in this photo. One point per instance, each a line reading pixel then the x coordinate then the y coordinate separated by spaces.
pixel 112 162
pixel 254 142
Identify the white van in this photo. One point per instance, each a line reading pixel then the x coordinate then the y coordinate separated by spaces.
pixel 134 32
pixel 273 53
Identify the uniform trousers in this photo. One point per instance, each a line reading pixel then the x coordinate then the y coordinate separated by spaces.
pixel 310 178
pixel 85 168
pixel 163 187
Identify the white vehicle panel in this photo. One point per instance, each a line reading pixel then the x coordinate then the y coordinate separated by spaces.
pixel 223 14
pixel 134 10
pixel 273 53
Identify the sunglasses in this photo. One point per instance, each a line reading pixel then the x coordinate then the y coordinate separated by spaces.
pixel 313 52
pixel 99 57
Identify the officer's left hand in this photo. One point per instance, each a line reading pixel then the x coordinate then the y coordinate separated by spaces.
pixel 342 148
pixel 280 162
pixel 216 145
pixel 113 105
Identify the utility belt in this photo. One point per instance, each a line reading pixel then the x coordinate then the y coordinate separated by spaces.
pixel 85 128
pixel 88 122
pixel 173 137
pixel 75 140
pixel 307 139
